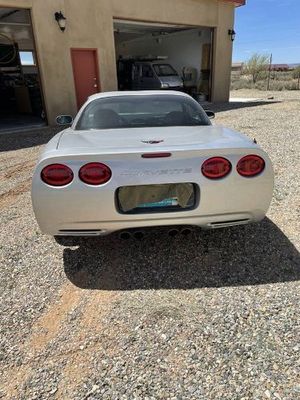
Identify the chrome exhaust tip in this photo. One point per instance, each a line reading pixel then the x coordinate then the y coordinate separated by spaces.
pixel 173 232
pixel 125 235
pixel 138 235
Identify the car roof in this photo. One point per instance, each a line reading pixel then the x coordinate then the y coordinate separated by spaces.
pixel 137 93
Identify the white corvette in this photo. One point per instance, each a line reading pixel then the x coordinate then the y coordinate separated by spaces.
pixel 138 159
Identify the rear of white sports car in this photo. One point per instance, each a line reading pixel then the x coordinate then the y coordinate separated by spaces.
pixel 96 177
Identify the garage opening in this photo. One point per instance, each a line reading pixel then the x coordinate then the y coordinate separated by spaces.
pixel 159 56
pixel 21 104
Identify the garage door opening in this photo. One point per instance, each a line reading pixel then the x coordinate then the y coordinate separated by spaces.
pixel 21 104
pixel 159 56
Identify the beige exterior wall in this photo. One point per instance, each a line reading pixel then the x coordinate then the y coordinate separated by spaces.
pixel 90 25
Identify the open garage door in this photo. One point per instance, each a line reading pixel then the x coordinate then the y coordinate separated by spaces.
pixel 160 56
pixel 21 104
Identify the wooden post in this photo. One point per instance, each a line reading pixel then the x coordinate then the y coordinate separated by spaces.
pixel 269 75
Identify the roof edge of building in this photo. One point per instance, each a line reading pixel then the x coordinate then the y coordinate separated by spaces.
pixel 237 3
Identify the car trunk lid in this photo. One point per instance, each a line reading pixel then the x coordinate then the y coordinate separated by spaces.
pixel 142 140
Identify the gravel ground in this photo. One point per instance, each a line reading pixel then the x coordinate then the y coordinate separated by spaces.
pixel 214 315
pixel 290 95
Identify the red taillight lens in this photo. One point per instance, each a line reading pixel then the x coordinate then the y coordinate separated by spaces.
pixel 95 173
pixel 216 167
pixel 250 165
pixel 57 175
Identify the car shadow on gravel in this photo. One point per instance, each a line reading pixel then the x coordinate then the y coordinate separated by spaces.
pixel 235 105
pixel 246 255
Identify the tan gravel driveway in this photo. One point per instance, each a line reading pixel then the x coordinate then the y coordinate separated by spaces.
pixel 214 315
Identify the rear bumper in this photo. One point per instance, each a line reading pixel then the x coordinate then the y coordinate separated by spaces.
pixel 91 213
pixel 99 228
pixel 83 210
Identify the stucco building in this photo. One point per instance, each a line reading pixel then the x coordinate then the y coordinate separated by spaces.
pixel 54 68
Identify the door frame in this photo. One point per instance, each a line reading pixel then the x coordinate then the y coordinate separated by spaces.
pixel 38 66
pixel 95 51
pixel 35 50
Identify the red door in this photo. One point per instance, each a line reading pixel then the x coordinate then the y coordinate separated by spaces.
pixel 85 71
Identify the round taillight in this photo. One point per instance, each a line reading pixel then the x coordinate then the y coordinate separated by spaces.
pixel 95 173
pixel 250 165
pixel 216 168
pixel 57 175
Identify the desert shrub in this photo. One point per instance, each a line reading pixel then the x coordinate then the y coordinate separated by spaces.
pixel 279 80
pixel 263 75
pixel 293 86
pixel 283 76
pixel 261 85
pixel 296 73
pixel 241 84
pixel 276 85
pixel 256 66
pixel 283 85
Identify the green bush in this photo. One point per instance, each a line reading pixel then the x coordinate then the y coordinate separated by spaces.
pixel 256 66
pixel 262 76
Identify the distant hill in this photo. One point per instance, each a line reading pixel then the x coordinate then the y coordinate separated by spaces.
pixel 294 65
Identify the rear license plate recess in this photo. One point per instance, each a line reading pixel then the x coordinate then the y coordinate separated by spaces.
pixel 166 197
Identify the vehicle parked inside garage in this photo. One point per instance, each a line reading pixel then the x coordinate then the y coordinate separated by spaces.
pixel 160 56
pixel 147 74
pixel 148 158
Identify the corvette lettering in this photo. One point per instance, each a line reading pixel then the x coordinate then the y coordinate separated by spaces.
pixel 175 171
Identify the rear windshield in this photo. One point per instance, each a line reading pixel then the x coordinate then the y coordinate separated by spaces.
pixel 141 111
pixel 164 70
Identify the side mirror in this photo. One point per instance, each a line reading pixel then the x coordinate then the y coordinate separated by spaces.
pixel 210 114
pixel 64 120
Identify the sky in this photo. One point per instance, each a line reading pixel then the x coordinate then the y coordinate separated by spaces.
pixel 268 26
